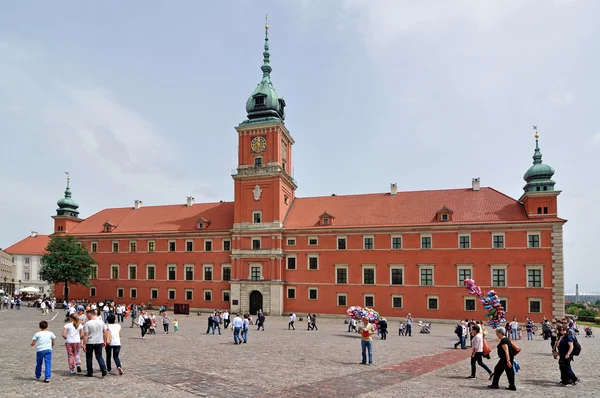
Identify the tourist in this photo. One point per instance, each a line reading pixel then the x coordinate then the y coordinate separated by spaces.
pixel 477 354
pixel 119 310
pixel 564 355
pixel 216 322
pixel 401 328
pixel 459 333
pixel 73 333
pixel 113 346
pixel 175 325
pixel 225 319
pixel 260 320
pixel 308 321
pixel 152 323
pixel 514 328
pixel 166 321
pixel 94 338
pixel 237 327
pixel 313 322
pixel 43 307
pixel 529 329
pixel 505 363
pixel 245 328
pixel 408 325
pixel 143 323
pixel 383 328
pixel 43 342
pixel 366 342
pixel 210 323
pixel 292 320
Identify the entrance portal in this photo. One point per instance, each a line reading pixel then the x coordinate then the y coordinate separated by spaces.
pixel 256 302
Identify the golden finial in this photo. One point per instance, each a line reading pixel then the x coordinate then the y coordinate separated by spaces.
pixel 266 21
pixel 536 132
pixel 68 176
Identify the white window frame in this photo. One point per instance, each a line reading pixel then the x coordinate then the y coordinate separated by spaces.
pixel 309 290
pixel 186 245
pixel 148 266
pixel 153 290
pixel 530 300
pixel 212 272
pixel 458 268
pixel 421 236
pixel 148 246
pixel 427 266
pixel 122 290
pixel 118 267
pixel 212 248
pixel 136 246
pixel 193 267
pixel 362 272
pixel 465 298
pixel 259 212
pixel 92 247
pixel 95 291
pixel 313 237
pixel 397 266
pixel 365 299
pixel 287 241
pixel 287 295
pixel 308 257
pixel 169 266
pixel 223 295
pixel 129 267
pixel 131 290
pixel 499 266
pixel 536 267
pixel 337 238
pixel 223 245
pixel 444 217
pixel 169 246
pixel 169 294
pixel 539 235
pixel 95 267
pixel 185 294
pixel 337 299
pixel 254 265
pixel 433 296
pixel 461 235
pixel 503 240
pixel 326 221
pixel 112 246
pixel 401 297
pixel 294 256
pixel 223 266
pixel 505 299
pixel 342 266
pixel 392 241
pixel 364 237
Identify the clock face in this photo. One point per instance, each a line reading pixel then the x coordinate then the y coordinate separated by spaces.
pixel 258 144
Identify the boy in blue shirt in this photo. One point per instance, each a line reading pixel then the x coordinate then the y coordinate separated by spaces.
pixel 43 342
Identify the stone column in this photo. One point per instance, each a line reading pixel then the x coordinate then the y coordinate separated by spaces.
pixel 558 273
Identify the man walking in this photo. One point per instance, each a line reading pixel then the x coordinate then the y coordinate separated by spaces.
pixel 226 319
pixel 292 320
pixel 94 339
pixel 260 321
pixel 237 327
pixel 366 330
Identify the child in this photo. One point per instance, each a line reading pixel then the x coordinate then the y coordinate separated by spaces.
pixel 400 328
pixel 175 325
pixel 43 342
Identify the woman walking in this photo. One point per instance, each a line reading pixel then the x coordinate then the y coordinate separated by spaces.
pixel 477 354
pixel 113 346
pixel 565 350
pixel 506 357
pixel 143 323
pixel 72 333
pixel 166 321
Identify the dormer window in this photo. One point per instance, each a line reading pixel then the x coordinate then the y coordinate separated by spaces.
pixel 326 219
pixel 108 226
pixel 259 100
pixel 444 217
pixel 202 223
pixel 444 214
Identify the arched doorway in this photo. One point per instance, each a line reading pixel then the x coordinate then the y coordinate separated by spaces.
pixel 256 302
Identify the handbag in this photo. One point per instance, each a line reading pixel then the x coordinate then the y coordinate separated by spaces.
pixel 515 348
pixel 486 349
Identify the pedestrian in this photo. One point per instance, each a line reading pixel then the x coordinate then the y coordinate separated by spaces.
pixel 175 325
pixel 459 333
pixel 529 328
pixel 134 315
pixel 113 345
pixel 237 327
pixel 292 320
pixel 43 342
pixel 73 333
pixel 408 325
pixel 564 355
pixel 143 323
pixel 245 327
pixel 308 321
pixel 216 323
pixel 506 357
pixel 166 321
pixel 210 323
pixel 225 319
pixel 313 322
pixel 260 320
pixel 366 330
pixel 477 354
pixel 383 328
pixel 94 338
pixel 514 328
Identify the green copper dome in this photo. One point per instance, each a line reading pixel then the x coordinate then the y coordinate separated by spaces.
pixel 539 176
pixel 263 104
pixel 67 206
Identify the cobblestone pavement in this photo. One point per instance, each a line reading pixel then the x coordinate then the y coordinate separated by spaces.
pixel 278 363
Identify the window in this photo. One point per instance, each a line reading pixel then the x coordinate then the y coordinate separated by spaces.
pixel 94 272
pixel 226 295
pixel 285 198
pixel 92 292
pixel 256 217
pixel 133 292
pixel 208 245
pixel 444 217
pixel 425 242
pixel 171 272
pixel 115 247
pixel 27 260
pixel 464 241
pixel 291 293
pixel 291 242
pixel 313 263
pixel 94 247
pixel 368 275
pixel 189 294
pixel 498 277
pixel 533 240
pixel 545 210
pixel 341 275
pixel 226 274
pixel 120 292
pixel 208 295
pixel 325 221
pixel 132 272
pixel 313 293
pixel 368 242
pixel 189 245
pixel 396 242
pixel 208 273
pixel 258 161
pixel 534 277
pixel 433 303
pixel 504 304
pixel 150 272
pixel 256 273
pixel 226 245
pixel 341 244
pixel 342 299
pixel 369 300
pixel 189 273
pixel 41 289
pixel 114 272
pixel 396 276
pixel 154 294
pixel 312 241
pixel 535 306
pixel 256 244
pixel 464 273
pixel 26 276
pixel 291 263
pixel 151 246
pixel 133 247
pixel 470 304
pixel 259 100
pixel 172 245
pixel 426 276
pixel 171 294
pixel 397 301
pixel 498 241
pixel 61 228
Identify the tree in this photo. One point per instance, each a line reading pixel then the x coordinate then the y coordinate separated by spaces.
pixel 66 261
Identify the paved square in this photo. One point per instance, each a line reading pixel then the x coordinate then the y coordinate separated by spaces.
pixel 279 363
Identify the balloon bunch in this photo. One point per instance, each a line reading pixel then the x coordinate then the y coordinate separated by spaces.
pixel 358 313
pixel 491 303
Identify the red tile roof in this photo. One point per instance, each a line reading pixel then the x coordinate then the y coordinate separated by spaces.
pixel 486 206
pixel 30 245
pixel 156 219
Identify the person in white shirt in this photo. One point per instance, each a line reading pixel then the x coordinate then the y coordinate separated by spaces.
pixel 238 324
pixel 292 320
pixel 477 354
pixel 225 319
pixel 514 327
pixel 43 307
pixel 73 333
pixel 113 348
pixel 120 313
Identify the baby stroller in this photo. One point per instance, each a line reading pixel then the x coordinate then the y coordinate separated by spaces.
pixel 589 331
pixel 425 328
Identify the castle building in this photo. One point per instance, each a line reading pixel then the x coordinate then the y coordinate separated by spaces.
pixel 396 251
pixel 27 262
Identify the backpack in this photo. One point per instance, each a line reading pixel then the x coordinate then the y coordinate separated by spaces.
pixel 576 347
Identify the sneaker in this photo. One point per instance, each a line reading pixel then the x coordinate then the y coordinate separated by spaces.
pixel 46 380
pixel 72 372
pixel 78 368
pixel 120 371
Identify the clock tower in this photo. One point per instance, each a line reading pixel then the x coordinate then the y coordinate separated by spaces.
pixel 264 192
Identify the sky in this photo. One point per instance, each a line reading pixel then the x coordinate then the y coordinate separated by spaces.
pixel 139 99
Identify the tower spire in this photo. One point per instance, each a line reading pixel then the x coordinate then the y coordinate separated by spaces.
pixel 537 154
pixel 266 67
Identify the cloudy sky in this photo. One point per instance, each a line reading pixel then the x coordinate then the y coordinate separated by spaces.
pixel 138 100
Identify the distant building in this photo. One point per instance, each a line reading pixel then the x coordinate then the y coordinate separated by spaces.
pixel 27 255
pixel 7 272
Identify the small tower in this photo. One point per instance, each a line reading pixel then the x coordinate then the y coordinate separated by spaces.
pixel 67 214
pixel 539 197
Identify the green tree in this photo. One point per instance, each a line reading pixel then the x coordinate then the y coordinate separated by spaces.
pixel 66 261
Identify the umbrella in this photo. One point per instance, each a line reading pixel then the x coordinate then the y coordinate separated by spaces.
pixel 29 289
